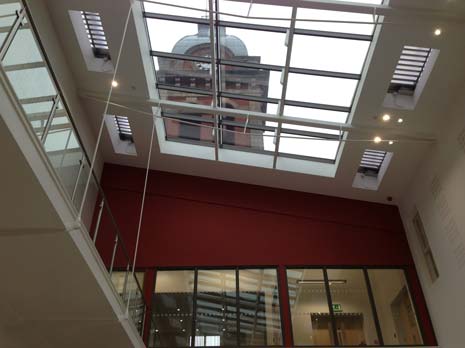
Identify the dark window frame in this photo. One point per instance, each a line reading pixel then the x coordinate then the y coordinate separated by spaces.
pixel 365 270
pixel 194 295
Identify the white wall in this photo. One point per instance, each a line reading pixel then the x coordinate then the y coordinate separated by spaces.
pixel 438 192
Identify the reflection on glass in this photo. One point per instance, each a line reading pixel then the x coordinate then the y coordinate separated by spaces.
pixel 329 54
pixel 311 323
pixel 307 141
pixel 394 307
pixel 321 89
pixel 352 310
pixel 255 46
pixel 126 286
pixel 216 306
pixel 260 323
pixel 172 309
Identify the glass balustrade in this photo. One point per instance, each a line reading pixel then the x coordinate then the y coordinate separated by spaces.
pixel 29 77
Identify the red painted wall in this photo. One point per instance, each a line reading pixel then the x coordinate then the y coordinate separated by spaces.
pixel 192 221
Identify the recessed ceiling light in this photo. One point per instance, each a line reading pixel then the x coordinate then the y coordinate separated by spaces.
pixel 386 117
pixel 437 31
pixel 400 120
pixel 377 140
pixel 391 142
pixel 114 83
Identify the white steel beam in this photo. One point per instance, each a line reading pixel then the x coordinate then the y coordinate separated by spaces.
pixel 214 73
pixel 284 79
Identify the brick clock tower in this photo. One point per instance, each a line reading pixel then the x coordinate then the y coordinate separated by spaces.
pixel 236 80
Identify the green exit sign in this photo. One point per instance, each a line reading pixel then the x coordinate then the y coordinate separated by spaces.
pixel 337 307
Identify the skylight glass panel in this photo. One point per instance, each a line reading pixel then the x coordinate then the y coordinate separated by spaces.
pixel 316 114
pixel 255 46
pixel 319 143
pixel 245 13
pixel 321 89
pixel 95 33
pixel 326 63
pixel 361 29
pixel 177 37
pixel 330 54
pixel 191 8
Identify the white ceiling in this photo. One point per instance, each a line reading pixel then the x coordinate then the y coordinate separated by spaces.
pixel 416 29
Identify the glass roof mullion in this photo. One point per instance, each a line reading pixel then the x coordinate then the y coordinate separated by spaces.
pixel 261 27
pixel 325 73
pixel 284 79
pixel 250 65
pixel 214 69
pixel 176 18
pixel 335 35
pixel 249 97
pixel 183 89
pixel 179 56
pixel 318 106
pixel 310 134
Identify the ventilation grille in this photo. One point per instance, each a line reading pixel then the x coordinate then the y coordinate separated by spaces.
pixel 95 33
pixel 409 69
pixel 124 128
pixel 371 162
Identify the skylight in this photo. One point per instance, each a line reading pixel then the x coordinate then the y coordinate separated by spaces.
pixel 274 65
pixel 95 33
pixel 124 128
pixel 409 69
pixel 371 162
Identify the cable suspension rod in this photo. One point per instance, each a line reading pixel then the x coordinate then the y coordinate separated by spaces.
pixel 94 156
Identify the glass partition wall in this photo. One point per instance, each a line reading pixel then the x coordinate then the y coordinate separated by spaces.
pixel 328 306
pixel 216 307
pixel 351 307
